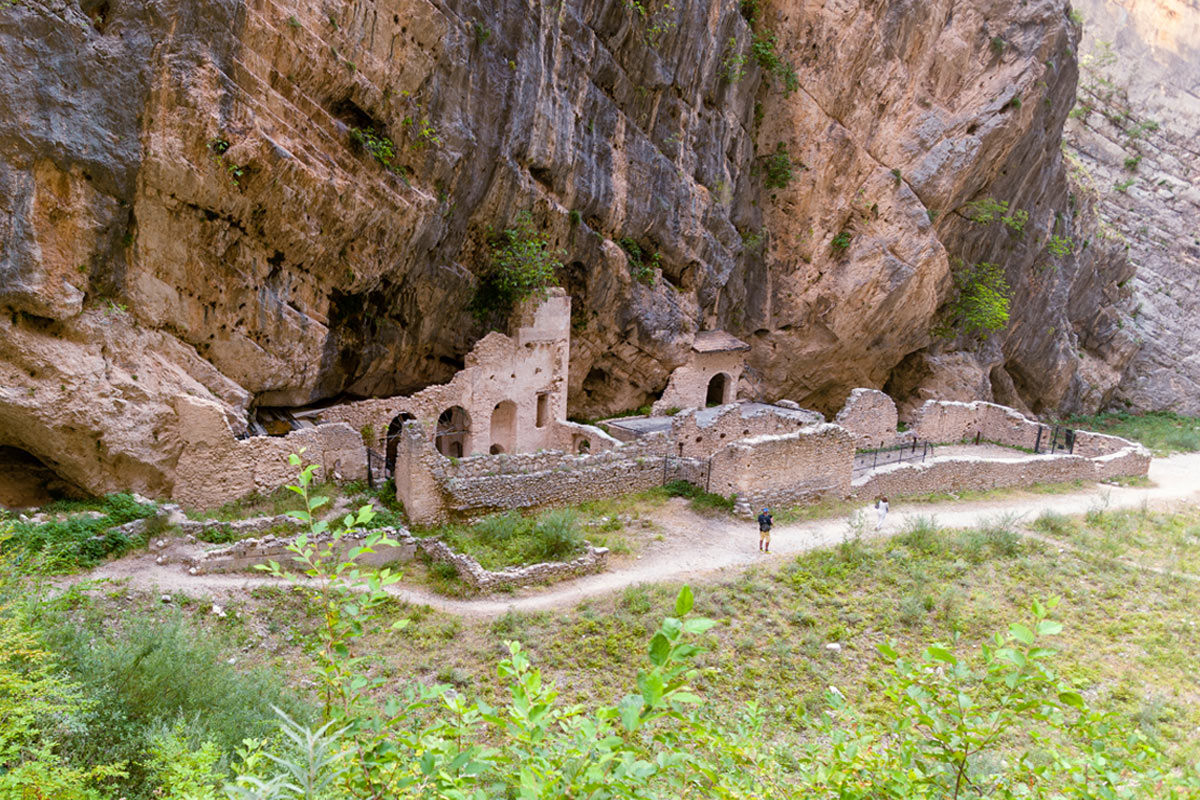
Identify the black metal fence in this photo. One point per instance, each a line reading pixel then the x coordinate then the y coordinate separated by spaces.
pixel 377 469
pixel 869 459
pixel 1054 440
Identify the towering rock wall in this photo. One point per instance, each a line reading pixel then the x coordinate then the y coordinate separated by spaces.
pixel 1133 139
pixel 189 209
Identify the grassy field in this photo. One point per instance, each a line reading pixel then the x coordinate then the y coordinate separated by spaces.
pixel 1163 432
pixel 789 630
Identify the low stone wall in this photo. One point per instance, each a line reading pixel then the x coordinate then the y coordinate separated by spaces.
pixel 942 422
pixel 470 572
pixel 588 478
pixel 870 415
pixel 969 473
pixel 699 433
pixel 248 553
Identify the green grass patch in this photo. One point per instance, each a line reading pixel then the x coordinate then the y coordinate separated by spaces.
pixel 701 501
pixel 76 539
pixel 513 539
pixel 1163 432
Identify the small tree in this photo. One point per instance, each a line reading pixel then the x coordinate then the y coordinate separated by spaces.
pixel 982 303
pixel 522 265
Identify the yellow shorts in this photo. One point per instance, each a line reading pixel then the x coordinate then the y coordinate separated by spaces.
pixel 764 536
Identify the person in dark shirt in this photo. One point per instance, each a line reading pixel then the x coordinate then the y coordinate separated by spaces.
pixel 765 521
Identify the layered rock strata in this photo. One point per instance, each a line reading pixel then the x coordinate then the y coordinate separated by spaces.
pixel 197 203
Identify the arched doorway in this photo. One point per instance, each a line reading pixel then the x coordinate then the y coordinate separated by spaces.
pixel 504 427
pixel 393 439
pixel 719 390
pixel 453 431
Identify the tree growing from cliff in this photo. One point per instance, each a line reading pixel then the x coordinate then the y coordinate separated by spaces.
pixel 982 302
pixel 522 265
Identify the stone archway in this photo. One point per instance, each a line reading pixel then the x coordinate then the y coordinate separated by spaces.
pixel 393 439
pixel 504 427
pixel 719 390
pixel 453 437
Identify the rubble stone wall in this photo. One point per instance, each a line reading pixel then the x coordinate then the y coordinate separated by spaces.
pixel 870 415
pixel 215 468
pixel 778 470
pixel 696 438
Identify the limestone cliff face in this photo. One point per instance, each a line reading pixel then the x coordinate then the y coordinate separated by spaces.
pixel 1133 139
pixel 187 209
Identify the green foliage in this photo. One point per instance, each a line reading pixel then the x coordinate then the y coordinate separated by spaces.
pixel 218 146
pixel 346 598
pixel 779 168
pixel 763 48
pixel 522 266
pixel 841 242
pixel 482 32
pixel 989 210
pixel 897 175
pixel 1060 246
pixel 1003 724
pixel 380 147
pixel 513 539
pixel 701 501
pixel 1132 162
pixel 574 217
pixel 733 66
pixel 38 705
pixel 657 22
pixel 752 242
pixel 1163 432
pixel 182 768
pixel 77 541
pixel 1123 186
pixel 981 304
pixel 146 676
pixel 644 267
pixel 998 44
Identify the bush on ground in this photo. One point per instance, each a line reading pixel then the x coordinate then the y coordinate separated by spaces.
pixel 76 540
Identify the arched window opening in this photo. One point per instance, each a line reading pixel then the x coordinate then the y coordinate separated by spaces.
pixel 453 431
pixel 504 427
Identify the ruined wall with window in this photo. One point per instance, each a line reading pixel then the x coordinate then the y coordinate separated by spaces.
pixel 510 396
pixel 709 378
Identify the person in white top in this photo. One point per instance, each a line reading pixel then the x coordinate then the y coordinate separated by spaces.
pixel 881 508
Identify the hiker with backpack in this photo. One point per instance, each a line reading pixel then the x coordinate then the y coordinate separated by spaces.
pixel 765 521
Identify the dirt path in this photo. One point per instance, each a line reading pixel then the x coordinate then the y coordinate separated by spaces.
pixel 696 547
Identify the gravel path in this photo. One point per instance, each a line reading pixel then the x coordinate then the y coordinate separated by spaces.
pixel 697 548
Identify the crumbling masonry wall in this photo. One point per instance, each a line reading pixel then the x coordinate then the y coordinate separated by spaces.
pixel 701 433
pixel 215 468
pixel 787 469
pixel 870 415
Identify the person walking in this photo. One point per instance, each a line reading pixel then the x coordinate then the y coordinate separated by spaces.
pixel 881 508
pixel 765 521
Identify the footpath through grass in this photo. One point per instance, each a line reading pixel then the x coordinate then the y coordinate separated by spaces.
pixel 793 628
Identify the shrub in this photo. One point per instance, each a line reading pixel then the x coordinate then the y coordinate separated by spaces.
pixel 779 168
pixel 380 147
pixel 79 541
pixel 644 267
pixel 841 242
pixel 763 49
pixel 982 302
pixel 733 66
pixel 147 675
pixel 522 266
pixel 989 210
pixel 921 535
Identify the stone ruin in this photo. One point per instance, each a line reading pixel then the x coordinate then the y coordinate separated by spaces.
pixel 496 437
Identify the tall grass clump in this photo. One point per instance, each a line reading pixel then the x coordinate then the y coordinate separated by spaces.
pixel 701 501
pixel 511 538
pixel 149 677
